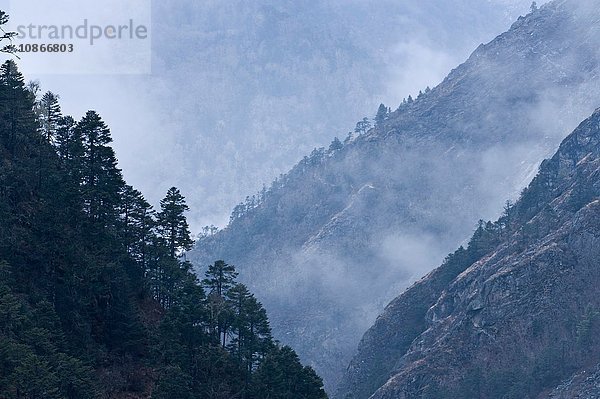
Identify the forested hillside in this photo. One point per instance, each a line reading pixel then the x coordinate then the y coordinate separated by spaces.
pixel 259 83
pixel 96 300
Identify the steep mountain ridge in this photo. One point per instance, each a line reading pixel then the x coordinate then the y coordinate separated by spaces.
pixel 351 226
pixel 513 320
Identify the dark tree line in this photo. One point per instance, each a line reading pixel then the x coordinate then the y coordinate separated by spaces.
pixel 96 299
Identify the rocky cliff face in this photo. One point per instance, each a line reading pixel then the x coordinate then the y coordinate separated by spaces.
pixel 583 385
pixel 515 319
pixel 348 228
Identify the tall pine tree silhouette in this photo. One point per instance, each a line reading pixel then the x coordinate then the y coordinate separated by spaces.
pixel 172 224
pixel 50 115
pixel 101 179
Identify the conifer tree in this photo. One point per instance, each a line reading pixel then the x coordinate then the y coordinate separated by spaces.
pixel 101 179
pixel 172 224
pixel 335 145
pixel 251 330
pixel 363 126
pixel 137 223
pixel 18 125
pixel 219 279
pixel 382 114
pixel 166 270
pixel 68 142
pixel 282 376
pixel 533 7
pixel 50 116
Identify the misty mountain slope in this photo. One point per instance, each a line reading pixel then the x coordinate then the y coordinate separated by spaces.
pixel 257 84
pixel 331 242
pixel 521 318
pixel 406 317
pixel 402 321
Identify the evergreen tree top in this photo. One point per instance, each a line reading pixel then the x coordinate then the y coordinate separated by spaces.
pixel 10 75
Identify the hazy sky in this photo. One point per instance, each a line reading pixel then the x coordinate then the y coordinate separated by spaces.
pixel 240 91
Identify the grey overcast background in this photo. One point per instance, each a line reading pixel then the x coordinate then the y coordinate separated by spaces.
pixel 242 90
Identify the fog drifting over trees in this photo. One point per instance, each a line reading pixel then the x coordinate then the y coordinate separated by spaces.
pixel 240 91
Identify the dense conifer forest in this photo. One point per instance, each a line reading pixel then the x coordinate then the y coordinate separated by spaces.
pixel 96 297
